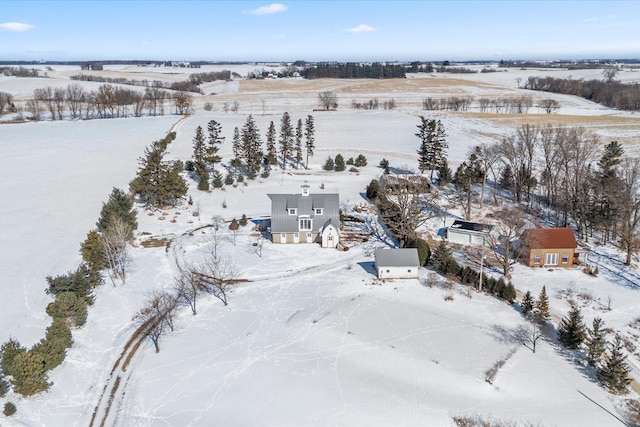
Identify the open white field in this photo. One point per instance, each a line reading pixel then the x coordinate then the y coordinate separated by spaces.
pixel 311 338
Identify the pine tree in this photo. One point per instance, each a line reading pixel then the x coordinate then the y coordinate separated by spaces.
pixel 68 307
pixel 158 183
pixel 571 332
pixel 214 141
pixel 541 309
pixel 9 350
pixel 432 144
pixel 506 180
pixel 93 252
pixel 272 153
pixel 54 346
pixel 81 282
pixel 120 205
pixel 596 341
pixel 236 147
pixel 309 134
pixel 228 180
pixel 203 176
pixel 444 173
pixel 527 303
pixel 298 145
pixel 361 161
pixel 509 293
pixel 614 374
pixel 339 165
pixel 286 138
pixel 217 179
pixel 199 147
pixel 384 164
pixel 441 256
pixel 29 375
pixel 251 146
pixel 328 164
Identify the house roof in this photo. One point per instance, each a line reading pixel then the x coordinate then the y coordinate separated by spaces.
pixel 549 238
pixel 406 257
pixel 471 226
pixel 282 222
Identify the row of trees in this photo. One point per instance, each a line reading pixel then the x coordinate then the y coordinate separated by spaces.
pixel 108 101
pixel 607 92
pixel 373 104
pixel 352 70
pixel 505 105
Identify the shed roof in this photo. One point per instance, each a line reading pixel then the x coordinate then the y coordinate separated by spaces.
pixel 471 226
pixel 549 238
pixel 405 257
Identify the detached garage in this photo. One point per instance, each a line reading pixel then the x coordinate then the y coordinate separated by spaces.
pixel 397 263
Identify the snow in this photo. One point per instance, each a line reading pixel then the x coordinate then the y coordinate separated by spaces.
pixel 309 337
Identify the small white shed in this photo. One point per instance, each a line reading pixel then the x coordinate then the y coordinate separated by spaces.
pixel 397 263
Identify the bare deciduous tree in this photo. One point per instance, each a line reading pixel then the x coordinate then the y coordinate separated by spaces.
pixel 529 334
pixel 114 246
pixel 74 97
pixel 509 225
pixel 156 316
pixel 629 208
pixel 328 100
pixel 549 105
pixel 218 276
pixel 183 103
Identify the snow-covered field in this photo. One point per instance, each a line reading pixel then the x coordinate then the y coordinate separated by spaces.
pixel 310 338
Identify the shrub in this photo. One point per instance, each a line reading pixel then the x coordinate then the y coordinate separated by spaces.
pixel 10 349
pixel 3 387
pixel 228 180
pixel 243 220
pixel 360 161
pixel 328 164
pixel 9 409
pixel 384 165
pixel 350 161
pixel 68 307
pixel 241 178
pixel 373 189
pixel 189 166
pixel 29 373
pixel 217 179
pixel 208 106
pixel 424 251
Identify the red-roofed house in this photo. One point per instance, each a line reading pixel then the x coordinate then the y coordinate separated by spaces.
pixel 549 247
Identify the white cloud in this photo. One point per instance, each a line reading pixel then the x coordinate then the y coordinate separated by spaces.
pixel 362 28
pixel 268 10
pixel 15 26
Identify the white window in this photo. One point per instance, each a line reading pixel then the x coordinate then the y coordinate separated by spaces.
pixel 305 224
pixel 551 259
pixel 536 259
pixel 292 211
pixel 318 211
pixel 283 235
pixel 565 258
pixel 308 235
pixel 295 235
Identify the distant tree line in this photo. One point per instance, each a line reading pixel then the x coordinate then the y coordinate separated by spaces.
pixel 573 65
pixel 609 92
pixel 74 102
pixel 19 72
pixel 352 70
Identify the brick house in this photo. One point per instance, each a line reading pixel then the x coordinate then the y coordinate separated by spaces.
pixel 549 247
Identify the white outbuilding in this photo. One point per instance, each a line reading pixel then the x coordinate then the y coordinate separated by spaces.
pixel 472 233
pixel 397 263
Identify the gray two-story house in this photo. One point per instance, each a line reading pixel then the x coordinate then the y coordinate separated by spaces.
pixel 305 218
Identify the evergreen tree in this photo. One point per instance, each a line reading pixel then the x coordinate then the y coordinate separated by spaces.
pixel 361 161
pixel 508 293
pixel 614 374
pixel 373 189
pixel 272 153
pixel 214 141
pixel 9 350
pixel 309 134
pixel 9 409
pixel 527 303
pixel 158 183
pixel 217 179
pixel 328 164
pixel 286 138
pixel 432 144
pixel 384 164
pixel 251 146
pixel 3 386
pixel 228 180
pixel 541 309
pixel 29 375
pixel 81 282
pixel 444 173
pixel 236 147
pixel 596 341
pixel 571 332
pixel 243 220
pixel 298 145
pixel 93 252
pixel 203 176
pixel 68 307
pixel 339 165
pixel 424 251
pixel 54 346
pixel 506 180
pixel 441 256
pixel 120 205
pixel 199 147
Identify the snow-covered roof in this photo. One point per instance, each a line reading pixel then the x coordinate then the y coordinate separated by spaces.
pixel 403 257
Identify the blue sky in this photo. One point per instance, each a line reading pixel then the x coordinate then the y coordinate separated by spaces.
pixel 318 30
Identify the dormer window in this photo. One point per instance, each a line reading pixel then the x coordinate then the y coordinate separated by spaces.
pixel 318 211
pixel 305 190
pixel 292 211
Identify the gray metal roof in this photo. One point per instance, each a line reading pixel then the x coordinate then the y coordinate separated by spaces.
pixel 282 222
pixel 405 257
